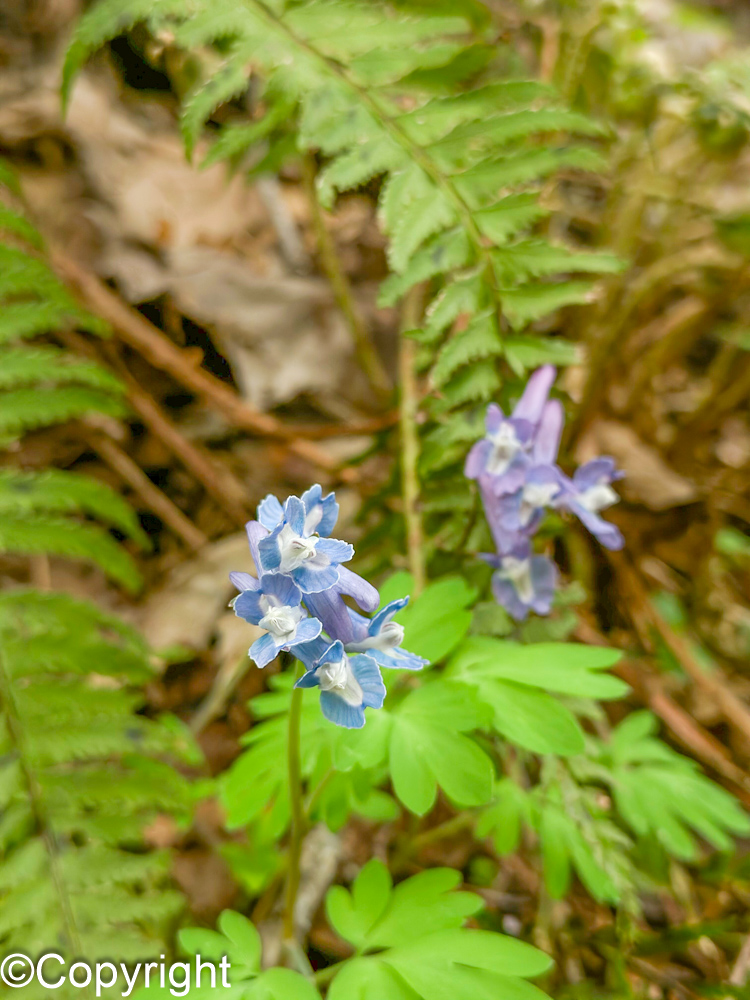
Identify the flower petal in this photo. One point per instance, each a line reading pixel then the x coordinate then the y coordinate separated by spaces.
pixel 336 550
pixel 294 514
pixel 312 578
pixel 310 652
pixel 282 589
pixel 244 581
pixel 307 630
pixel 329 607
pixel 531 403
pixel 367 673
pixel 385 614
pixel 269 551
pixel 340 712
pixel 270 512
pixel 264 650
pixel 321 513
pixel 547 441
pixel 255 532
pixel 247 606
pixel 366 596
pixel 398 659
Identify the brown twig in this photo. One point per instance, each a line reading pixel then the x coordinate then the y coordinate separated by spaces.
pixel 159 351
pixel 216 479
pixel 151 495
pixel 713 682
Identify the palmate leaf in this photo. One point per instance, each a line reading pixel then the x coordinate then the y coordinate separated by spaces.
pixel 514 682
pixel 429 955
pixel 660 793
pixel 427 748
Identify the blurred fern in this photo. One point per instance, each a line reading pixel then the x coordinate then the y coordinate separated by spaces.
pixel 80 777
pixel 42 385
pixel 81 772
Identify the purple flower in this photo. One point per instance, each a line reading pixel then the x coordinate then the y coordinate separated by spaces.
pixel 588 492
pixel 506 449
pixel 348 685
pixel 293 547
pixel 523 582
pixel 273 603
pixel 518 478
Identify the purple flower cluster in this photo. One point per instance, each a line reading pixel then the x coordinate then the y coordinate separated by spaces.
pixel 515 467
pixel 297 597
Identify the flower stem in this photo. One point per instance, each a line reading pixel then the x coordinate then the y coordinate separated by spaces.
pixel 368 357
pixel 408 406
pixel 297 811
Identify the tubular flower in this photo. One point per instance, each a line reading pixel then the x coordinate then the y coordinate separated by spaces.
pixel 348 685
pixel 297 598
pixel 515 466
pixel 273 603
pixel 293 548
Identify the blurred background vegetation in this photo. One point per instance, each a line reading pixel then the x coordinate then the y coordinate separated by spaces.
pixel 185 335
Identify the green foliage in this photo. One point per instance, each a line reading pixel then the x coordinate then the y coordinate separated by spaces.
pixel 427 952
pixel 406 98
pixel 41 513
pixel 663 794
pixel 81 777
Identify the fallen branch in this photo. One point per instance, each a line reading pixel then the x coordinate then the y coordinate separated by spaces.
pixel 136 331
pixel 150 494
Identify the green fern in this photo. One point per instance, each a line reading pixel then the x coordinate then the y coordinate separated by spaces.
pixel 80 778
pixel 42 385
pixel 459 173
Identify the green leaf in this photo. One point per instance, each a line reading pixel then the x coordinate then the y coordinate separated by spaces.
pixel 566 668
pixel 480 339
pixel 353 915
pixel 427 748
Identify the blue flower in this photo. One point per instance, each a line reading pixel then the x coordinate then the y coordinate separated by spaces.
pixel 348 685
pixel 505 451
pixel 321 513
pixel 293 547
pixel 588 492
pixel 273 603
pixel 523 582
pixel 379 637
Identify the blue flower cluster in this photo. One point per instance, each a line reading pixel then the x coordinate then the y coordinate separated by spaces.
pixel 515 467
pixel 297 597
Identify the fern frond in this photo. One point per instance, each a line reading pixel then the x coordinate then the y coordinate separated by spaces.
pixel 23 410
pixel 56 492
pixel 59 536
pixel 77 796
pixel 20 366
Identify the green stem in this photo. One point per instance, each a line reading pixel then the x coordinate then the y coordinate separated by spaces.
pixel 367 356
pixel 408 406
pixel 298 816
